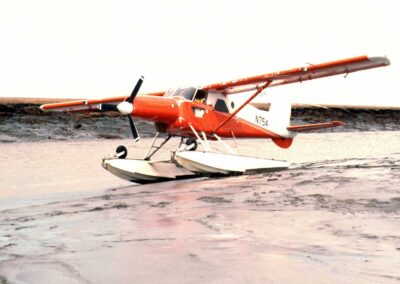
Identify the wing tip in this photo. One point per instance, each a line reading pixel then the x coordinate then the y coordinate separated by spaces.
pixel 43 107
pixel 381 60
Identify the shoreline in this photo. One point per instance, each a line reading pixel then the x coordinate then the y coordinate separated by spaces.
pixel 26 122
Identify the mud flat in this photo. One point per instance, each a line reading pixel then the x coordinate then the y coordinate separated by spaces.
pixel 332 218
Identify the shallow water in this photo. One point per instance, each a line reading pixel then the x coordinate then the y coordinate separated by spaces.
pixel 333 217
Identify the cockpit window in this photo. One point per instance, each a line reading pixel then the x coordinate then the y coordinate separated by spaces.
pixel 186 93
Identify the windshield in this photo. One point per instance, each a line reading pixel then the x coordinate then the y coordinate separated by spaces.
pixel 186 93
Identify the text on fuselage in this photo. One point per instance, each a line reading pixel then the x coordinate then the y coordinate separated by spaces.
pixel 261 121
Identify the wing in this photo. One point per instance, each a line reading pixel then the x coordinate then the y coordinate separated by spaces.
pixel 87 105
pixel 294 75
pixel 300 74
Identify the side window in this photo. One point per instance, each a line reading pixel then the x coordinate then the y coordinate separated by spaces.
pixel 220 105
pixel 200 96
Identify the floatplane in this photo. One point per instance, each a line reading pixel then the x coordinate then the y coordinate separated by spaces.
pixel 212 112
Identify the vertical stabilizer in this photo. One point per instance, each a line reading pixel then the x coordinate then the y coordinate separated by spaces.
pixel 279 117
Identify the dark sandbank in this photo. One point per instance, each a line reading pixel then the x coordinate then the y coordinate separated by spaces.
pixel 26 122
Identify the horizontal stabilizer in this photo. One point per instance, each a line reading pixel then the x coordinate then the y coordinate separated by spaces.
pixel 308 127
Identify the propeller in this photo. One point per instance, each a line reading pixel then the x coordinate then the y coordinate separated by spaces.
pixel 126 107
pixel 136 89
pixel 134 131
pixel 108 107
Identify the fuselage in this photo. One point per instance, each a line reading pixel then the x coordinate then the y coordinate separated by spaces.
pixel 180 111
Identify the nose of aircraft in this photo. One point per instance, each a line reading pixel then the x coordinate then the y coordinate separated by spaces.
pixel 158 109
pixel 125 107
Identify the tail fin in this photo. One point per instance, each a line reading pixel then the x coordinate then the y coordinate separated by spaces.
pixel 279 120
pixel 279 115
pixel 280 111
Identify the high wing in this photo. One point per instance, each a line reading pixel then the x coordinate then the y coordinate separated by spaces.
pixel 300 74
pixel 85 105
pixel 258 83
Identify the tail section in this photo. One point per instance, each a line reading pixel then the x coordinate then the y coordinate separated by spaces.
pixel 279 115
pixel 279 122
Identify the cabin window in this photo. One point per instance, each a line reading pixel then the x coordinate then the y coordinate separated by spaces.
pixel 200 96
pixel 220 105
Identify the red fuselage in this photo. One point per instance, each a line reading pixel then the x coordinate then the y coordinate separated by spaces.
pixel 174 116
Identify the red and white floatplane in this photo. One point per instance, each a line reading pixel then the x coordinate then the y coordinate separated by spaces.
pixel 212 112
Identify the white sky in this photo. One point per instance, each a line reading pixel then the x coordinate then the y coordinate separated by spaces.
pixel 88 49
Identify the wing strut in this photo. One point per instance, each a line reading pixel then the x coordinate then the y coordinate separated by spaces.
pixel 259 90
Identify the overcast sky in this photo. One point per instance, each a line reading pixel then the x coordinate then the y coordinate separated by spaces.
pixel 88 49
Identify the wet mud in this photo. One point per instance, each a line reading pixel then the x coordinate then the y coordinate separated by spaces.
pixel 333 221
pixel 333 217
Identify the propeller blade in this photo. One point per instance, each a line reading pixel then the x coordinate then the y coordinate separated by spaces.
pixel 108 107
pixel 136 89
pixel 135 133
